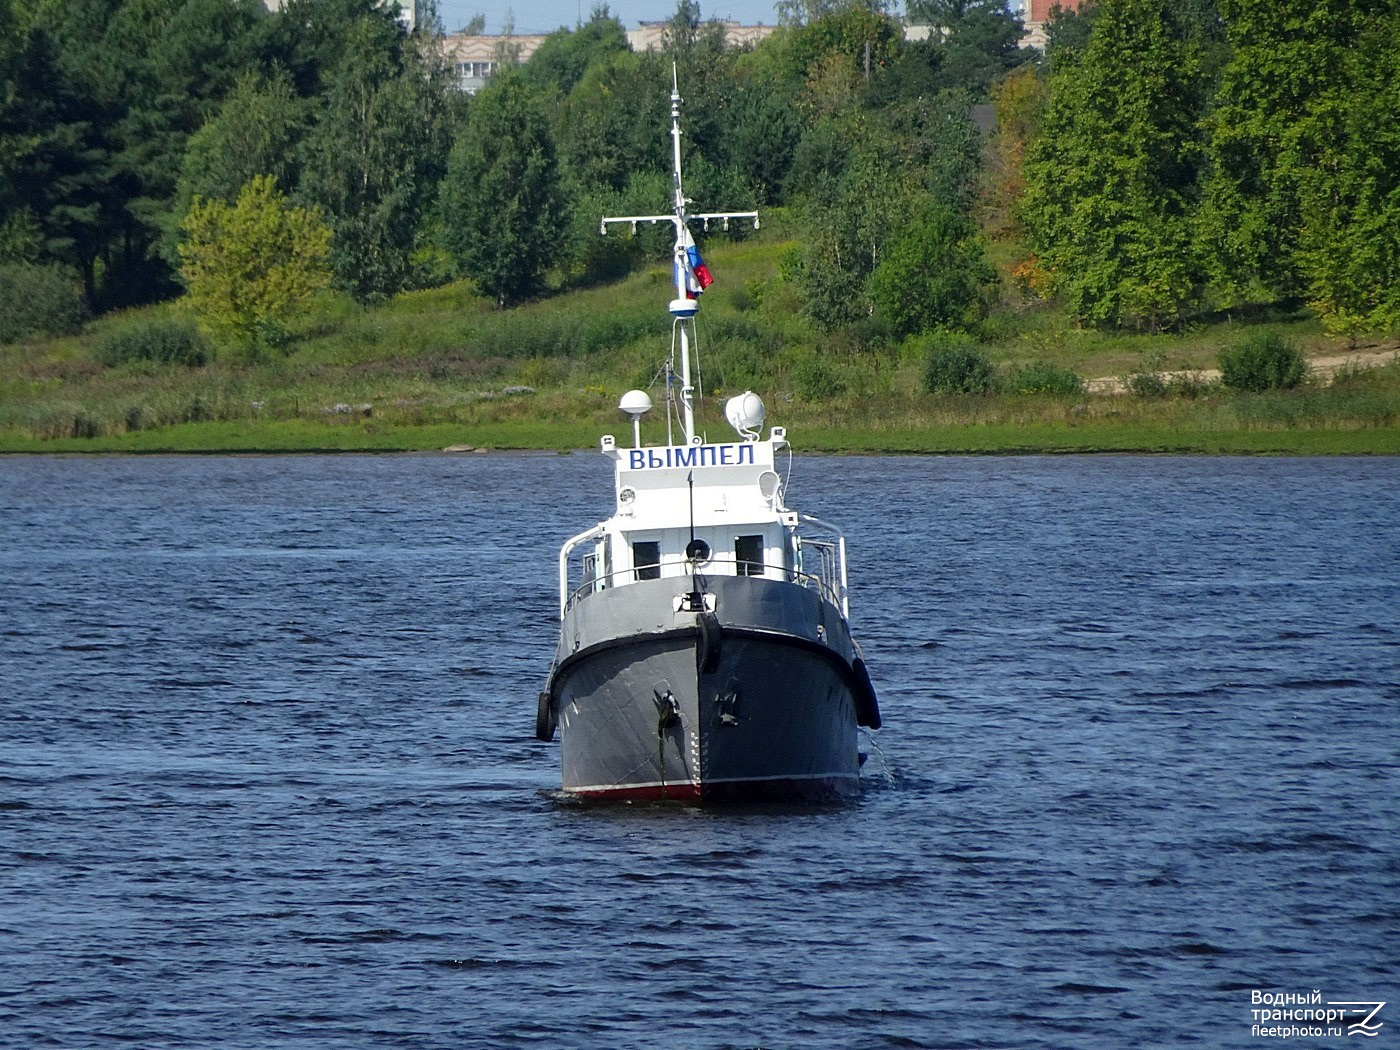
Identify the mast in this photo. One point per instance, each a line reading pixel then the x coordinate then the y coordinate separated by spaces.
pixel 683 307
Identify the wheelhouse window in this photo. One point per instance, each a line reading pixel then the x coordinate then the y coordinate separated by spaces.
pixel 646 558
pixel 748 555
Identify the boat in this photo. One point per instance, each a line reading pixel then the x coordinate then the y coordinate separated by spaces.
pixel 704 651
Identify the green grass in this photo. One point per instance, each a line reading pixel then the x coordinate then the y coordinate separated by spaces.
pixel 1121 438
pixel 271 436
pixel 442 367
pixel 309 436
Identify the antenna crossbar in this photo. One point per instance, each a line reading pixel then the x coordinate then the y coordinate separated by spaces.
pixel 702 216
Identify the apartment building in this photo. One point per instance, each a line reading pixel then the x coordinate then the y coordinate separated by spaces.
pixel 476 58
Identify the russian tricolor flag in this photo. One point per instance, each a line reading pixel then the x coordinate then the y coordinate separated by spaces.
pixel 697 274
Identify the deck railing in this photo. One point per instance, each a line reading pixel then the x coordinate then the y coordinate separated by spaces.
pixel 821 567
pixel 626 577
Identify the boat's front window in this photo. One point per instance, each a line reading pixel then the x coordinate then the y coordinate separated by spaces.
pixel 646 557
pixel 748 555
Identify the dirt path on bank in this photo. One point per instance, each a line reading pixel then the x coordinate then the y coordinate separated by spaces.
pixel 1325 365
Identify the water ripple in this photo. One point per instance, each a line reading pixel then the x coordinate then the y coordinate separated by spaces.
pixel 268 777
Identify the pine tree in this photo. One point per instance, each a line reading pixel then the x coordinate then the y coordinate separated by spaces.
pixel 1304 192
pixel 1112 179
pixel 1349 242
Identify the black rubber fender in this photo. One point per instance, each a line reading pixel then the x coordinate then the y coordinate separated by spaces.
pixel 867 707
pixel 709 642
pixel 545 718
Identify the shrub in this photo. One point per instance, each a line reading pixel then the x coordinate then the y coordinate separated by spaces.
pixel 536 332
pixel 815 377
pixel 39 300
pixel 736 366
pixel 1355 376
pixel 167 341
pixel 933 273
pixel 1042 377
pixel 1148 384
pixel 1190 386
pixel 251 266
pixel 955 366
pixel 1265 361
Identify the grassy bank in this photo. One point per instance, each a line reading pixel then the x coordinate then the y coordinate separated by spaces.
pixel 298 436
pixel 442 368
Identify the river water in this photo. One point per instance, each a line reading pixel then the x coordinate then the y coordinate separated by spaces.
pixel 268 775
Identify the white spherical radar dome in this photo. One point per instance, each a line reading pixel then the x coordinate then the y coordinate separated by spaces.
pixel 635 403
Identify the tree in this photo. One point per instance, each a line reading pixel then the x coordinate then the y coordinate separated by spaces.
pixel 933 273
pixel 849 221
pixel 376 156
pixel 760 136
pixel 1349 240
pixel 1067 32
pixel 974 42
pixel 1302 195
pixel 1020 104
pixel 982 46
pixel 12 36
pixel 1111 182
pixel 805 12
pixel 689 40
pixel 592 259
pixel 503 214
pixel 248 266
pixel 865 175
pixel 564 56
pixel 608 125
pixel 937 139
pixel 60 195
pixel 312 38
pixel 105 94
pixel 940 14
pixel 864 36
pixel 18 234
pixel 164 66
pixel 1258 145
pixel 258 131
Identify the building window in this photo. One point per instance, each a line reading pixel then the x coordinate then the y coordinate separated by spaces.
pixel 476 70
pixel 646 558
pixel 472 76
pixel 748 555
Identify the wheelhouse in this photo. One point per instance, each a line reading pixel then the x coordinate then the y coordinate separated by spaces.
pixel 737 524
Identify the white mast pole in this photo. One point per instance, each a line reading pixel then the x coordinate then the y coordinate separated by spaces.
pixel 683 308
pixel 682 265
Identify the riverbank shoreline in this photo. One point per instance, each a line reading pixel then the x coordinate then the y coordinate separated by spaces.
pixel 295 437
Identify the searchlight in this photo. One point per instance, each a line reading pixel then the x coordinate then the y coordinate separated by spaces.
pixel 745 414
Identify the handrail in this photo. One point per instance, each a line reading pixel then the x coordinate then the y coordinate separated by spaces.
pixel 809 580
pixel 564 552
pixel 830 581
pixel 844 602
